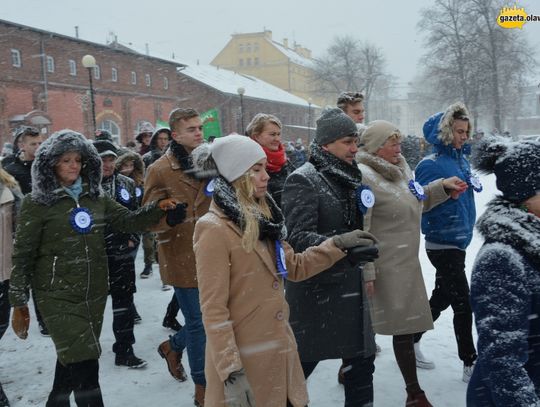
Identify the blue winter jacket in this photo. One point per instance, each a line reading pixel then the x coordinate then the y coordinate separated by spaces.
pixel 505 297
pixel 452 222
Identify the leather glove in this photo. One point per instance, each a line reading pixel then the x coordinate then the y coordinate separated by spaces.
pixel 177 215
pixel 166 204
pixel 355 238
pixel 20 321
pixel 238 391
pixel 361 255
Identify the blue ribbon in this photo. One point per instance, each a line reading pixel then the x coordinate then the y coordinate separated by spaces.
pixel 475 183
pixel 417 190
pixel 123 195
pixel 209 188
pixel 138 192
pixel 365 198
pixel 81 220
pixel 280 260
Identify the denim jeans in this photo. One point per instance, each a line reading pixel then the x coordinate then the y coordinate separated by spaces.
pixel 192 336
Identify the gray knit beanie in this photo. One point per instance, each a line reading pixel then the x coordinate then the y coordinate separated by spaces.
pixel 332 125
pixel 376 134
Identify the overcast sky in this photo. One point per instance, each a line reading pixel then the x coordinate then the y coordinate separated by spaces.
pixel 198 29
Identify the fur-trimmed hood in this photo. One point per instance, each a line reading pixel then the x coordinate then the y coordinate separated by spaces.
pixel 138 172
pixel 392 172
pixel 44 182
pixel 438 128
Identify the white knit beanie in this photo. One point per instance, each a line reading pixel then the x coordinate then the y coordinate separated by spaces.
pixel 235 155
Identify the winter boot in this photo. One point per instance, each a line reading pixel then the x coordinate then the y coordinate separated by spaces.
pixel 4 402
pixel 130 360
pixel 417 399
pixel 171 323
pixel 199 395
pixel 341 374
pixel 147 272
pixel 174 361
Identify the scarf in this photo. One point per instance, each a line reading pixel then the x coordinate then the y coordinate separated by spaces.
pixel 343 173
pixel 75 189
pixel 225 197
pixel 505 222
pixel 183 157
pixel 275 159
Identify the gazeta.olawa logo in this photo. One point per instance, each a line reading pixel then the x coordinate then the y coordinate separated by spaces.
pixel 515 17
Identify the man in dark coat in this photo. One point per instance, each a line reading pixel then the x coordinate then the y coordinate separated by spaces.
pixel 120 261
pixel 158 145
pixel 328 314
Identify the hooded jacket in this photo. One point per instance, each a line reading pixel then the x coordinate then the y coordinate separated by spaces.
pixel 451 223
pixel 67 270
pixel 154 152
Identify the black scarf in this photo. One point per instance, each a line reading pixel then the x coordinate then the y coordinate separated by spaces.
pixel 343 173
pixel 505 222
pixel 182 156
pixel 225 197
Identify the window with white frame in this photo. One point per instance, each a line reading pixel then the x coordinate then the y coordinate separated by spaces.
pixel 112 128
pixel 148 80
pixel 248 47
pixel 16 58
pixel 114 75
pixel 133 78
pixel 248 61
pixel 165 83
pixel 241 62
pixel 97 72
pixel 241 47
pixel 72 67
pixel 50 64
pixel 256 61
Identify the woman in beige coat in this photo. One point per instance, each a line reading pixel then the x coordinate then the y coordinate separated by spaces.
pixel 394 282
pixel 242 261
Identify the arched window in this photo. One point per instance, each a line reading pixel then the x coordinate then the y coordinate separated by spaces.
pixel 112 128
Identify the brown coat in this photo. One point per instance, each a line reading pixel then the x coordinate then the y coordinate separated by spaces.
pixel 165 179
pixel 400 305
pixel 245 314
pixel 7 203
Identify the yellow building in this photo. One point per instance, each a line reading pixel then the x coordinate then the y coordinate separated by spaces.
pixel 258 55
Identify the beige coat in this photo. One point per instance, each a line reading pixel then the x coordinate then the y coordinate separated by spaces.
pixel 245 313
pixel 7 202
pixel 165 179
pixel 400 305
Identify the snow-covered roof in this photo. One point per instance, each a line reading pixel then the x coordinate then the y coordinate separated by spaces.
pixel 292 55
pixel 228 82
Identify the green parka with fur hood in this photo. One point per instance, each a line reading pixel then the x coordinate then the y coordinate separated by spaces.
pixel 66 269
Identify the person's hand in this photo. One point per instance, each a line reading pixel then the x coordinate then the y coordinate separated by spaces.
pixel 20 321
pixel 167 204
pixel 177 215
pixel 361 255
pixel 238 392
pixel 355 238
pixel 370 288
pixel 455 186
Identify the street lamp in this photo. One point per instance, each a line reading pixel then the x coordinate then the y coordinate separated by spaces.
pixel 89 62
pixel 309 121
pixel 241 92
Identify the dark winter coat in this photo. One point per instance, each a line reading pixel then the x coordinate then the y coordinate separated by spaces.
pixel 122 190
pixel 138 171
pixel 67 270
pixel 328 311
pixel 154 152
pixel 452 222
pixel 21 171
pixel 277 181
pixel 505 297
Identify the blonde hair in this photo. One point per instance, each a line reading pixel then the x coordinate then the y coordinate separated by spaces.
pixel 256 125
pixel 7 179
pixel 251 209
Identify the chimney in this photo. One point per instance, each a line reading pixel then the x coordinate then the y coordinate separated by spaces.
pixel 268 34
pixel 147 48
pixel 76 31
pixel 286 42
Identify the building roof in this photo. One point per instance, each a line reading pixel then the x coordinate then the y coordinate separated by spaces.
pixel 292 55
pixel 228 82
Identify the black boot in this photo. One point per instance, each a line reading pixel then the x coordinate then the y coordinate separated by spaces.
pixel 4 402
pixel 147 272
pixel 171 323
pixel 130 360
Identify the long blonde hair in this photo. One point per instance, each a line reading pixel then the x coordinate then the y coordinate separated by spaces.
pixel 7 179
pixel 251 209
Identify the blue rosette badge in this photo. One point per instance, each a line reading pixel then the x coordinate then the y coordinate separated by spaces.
pixel 123 195
pixel 81 220
pixel 365 198
pixel 209 188
pixel 138 192
pixel 417 190
pixel 280 260
pixel 474 181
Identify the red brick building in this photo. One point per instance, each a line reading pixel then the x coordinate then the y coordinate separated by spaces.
pixel 43 83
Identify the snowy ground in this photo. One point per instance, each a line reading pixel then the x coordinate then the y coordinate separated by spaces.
pixel 27 367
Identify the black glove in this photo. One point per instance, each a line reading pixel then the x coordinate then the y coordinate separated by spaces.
pixel 238 392
pixel 177 215
pixel 361 255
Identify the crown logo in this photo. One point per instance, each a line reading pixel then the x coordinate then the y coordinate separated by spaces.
pixel 512 17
